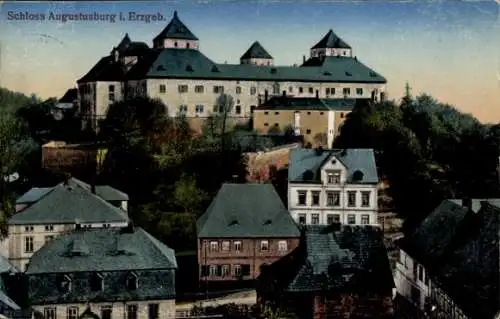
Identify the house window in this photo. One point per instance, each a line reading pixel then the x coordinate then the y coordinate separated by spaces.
pixel 28 229
pixel 97 282
pixel 301 90
pixel 315 198
pixel 49 313
pixel 106 312
pixel 199 89
pixel 28 244
pixel 333 198
pixel 163 88
pixel 282 245
pixel 226 271
pixel 153 311
pixel 132 281
pixel 302 218
pixel 183 108
pixel 48 239
pixel 333 177
pixel 420 273
pixel 311 90
pixel 238 90
pixel 49 227
pixel 199 108
pixel 182 88
pixel 237 246
pixel 341 115
pixel 333 218
pixel 308 131
pixel 351 198
pixel 346 91
pixel 218 89
pixel 131 311
pixel 302 197
pixel 359 91
pixel 365 199
pixel 238 109
pixel 225 245
pixel 213 270
pixel 351 219
pixel 214 246
pixel 253 90
pixel 266 124
pixel 276 113
pixel 237 270
pixel 315 219
pixel 365 219
pixel 72 313
pixel 111 93
pixel 264 245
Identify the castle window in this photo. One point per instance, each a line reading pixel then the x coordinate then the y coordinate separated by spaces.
pixel 218 89
pixel 183 88
pixel 199 89
pixel 266 124
pixel 238 109
pixel 308 131
pixel 49 227
pixel 311 90
pixel 200 108
pixel 290 89
pixel 238 90
pixel 187 45
pixel 346 91
pixel 175 44
pixel 183 109
pixel 301 90
pixel 132 281
pixel 359 91
pixel 28 244
pixel 163 88
pixel 253 90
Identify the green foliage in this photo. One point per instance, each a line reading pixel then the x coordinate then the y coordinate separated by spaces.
pixel 11 101
pixel 427 150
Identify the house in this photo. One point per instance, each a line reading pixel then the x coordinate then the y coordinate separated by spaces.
pixel 449 265
pixel 67 105
pixel 245 227
pixel 330 186
pixel 338 271
pixel 43 213
pixel 103 273
pixel 175 71
pixel 317 120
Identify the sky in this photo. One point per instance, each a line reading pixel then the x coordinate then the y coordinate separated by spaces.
pixel 448 49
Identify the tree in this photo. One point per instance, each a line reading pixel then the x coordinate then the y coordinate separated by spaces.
pixel 187 195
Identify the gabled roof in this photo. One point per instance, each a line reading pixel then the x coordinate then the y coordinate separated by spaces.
pixel 306 103
pixel 103 252
pixel 6 266
pixel 107 69
pixel 70 96
pixel 175 29
pixel 65 204
pixel 246 210
pixel 256 51
pixel 192 64
pixel 304 160
pixel 124 42
pixel 331 40
pixel 349 257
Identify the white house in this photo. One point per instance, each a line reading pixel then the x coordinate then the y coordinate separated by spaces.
pixel 188 82
pixel 328 186
pixel 43 213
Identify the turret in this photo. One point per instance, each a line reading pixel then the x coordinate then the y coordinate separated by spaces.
pixel 176 35
pixel 257 55
pixel 331 45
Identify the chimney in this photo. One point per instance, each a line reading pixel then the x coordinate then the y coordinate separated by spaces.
pixel 67 177
pixel 467 203
pixel 303 59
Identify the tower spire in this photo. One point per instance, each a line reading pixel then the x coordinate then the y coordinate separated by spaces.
pixel 407 90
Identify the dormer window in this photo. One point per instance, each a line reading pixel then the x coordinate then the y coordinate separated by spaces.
pixel 132 281
pixel 97 282
pixel 333 177
pixel 64 284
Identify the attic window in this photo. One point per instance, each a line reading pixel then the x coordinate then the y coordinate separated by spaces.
pixel 373 74
pixel 273 70
pixel 160 68
pixel 77 247
pixel 64 284
pixel 215 69
pixel 327 73
pixel 132 281
pixel 233 222
pixel 348 73
pixel 268 222
pixel 357 176
pixel 97 282
pixel 308 175
pixel 334 161
pixel 189 68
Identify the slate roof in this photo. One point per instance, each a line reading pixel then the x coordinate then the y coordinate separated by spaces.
pixel 6 266
pixel 175 29
pixel 124 43
pixel 306 103
pixel 304 160
pixel 192 64
pixel 33 195
pixel 107 69
pixel 347 257
pixel 102 250
pixel 256 51
pixel 70 96
pixel 245 211
pixel 66 204
pixel 331 40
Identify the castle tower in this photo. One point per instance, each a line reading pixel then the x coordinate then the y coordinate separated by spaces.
pixel 331 45
pixel 257 55
pixel 176 35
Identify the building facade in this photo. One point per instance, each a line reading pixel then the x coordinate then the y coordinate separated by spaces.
pixel 44 213
pixel 188 82
pixel 339 271
pixel 111 273
pixel 246 226
pixel 333 186
pixel 317 120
